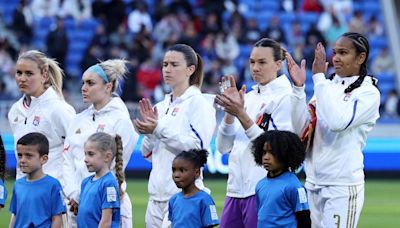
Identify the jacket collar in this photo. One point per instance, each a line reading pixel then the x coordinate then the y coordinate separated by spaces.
pixel 278 84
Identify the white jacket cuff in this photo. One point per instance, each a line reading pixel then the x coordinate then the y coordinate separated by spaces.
pixel 299 91
pixel 227 129
pixel 253 132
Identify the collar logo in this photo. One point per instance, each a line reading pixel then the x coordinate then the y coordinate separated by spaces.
pixel 347 97
pixel 175 111
pixel 36 120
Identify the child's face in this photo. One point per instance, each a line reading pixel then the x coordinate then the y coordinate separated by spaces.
pixel 95 160
pixel 29 159
pixel 183 173
pixel 270 162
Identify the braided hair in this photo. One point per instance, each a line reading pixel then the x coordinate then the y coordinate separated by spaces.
pixel 361 45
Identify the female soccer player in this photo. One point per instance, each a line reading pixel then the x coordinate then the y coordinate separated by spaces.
pixel 347 107
pixel 107 113
pixel 42 107
pixel 266 107
pixel 184 120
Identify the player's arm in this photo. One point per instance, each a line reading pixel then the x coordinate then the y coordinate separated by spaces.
pixel 106 218
pixel 12 221
pixel 56 221
pixel 303 219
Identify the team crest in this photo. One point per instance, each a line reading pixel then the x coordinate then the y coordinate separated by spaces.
pixel 36 120
pixel 100 128
pixel 347 96
pixel 176 110
pixel 78 131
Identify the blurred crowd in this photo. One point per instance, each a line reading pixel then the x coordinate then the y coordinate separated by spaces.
pixel 222 32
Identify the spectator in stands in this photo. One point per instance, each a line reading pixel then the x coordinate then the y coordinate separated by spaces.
pixel 312 6
pixel 168 26
pixel 383 62
pixel 130 88
pixel 335 31
pixel 140 17
pixel 250 32
pixel 374 28
pixel 212 24
pixel 356 23
pixel 45 8
pixel 57 42
pixel 77 9
pixel 121 38
pixel 22 22
pixel 99 10
pixel 148 77
pixel 115 15
pixel 391 104
pixel 274 31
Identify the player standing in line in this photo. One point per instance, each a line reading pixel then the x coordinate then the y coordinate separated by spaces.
pixel 184 120
pixel 266 107
pixel 100 193
pixel 107 113
pixel 37 199
pixel 42 107
pixel 192 207
pixel 347 107
pixel 280 197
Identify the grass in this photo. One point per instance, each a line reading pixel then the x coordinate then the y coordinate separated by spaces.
pixel 381 206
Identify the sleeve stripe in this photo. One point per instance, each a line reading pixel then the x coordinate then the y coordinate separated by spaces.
pixel 273 124
pixel 198 136
pixel 354 114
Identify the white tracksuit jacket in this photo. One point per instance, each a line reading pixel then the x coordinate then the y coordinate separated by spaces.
pixel 49 115
pixel 343 121
pixel 186 123
pixel 113 119
pixel 274 99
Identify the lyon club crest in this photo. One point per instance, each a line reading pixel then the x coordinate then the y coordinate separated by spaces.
pixel 100 127
pixel 36 120
pixel 175 111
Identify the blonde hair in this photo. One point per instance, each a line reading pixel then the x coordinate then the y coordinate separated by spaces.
pixel 115 70
pixel 45 64
pixel 105 142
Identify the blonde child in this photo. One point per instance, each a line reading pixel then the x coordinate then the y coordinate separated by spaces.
pixel 99 204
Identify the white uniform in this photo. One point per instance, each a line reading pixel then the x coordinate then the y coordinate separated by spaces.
pixel 113 119
pixel 49 115
pixel 244 173
pixel 186 123
pixel 334 164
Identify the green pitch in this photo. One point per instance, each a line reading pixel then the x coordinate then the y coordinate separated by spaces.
pixel 381 206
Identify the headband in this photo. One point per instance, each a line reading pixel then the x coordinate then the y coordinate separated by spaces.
pixel 99 71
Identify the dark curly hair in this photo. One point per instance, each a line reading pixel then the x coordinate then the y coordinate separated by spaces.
pixel 286 147
pixel 198 157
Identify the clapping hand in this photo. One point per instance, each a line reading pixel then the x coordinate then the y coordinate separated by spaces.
pixel 149 117
pixel 319 65
pixel 297 74
pixel 231 99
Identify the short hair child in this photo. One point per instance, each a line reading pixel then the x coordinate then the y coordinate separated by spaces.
pixel 192 207
pixel 100 193
pixel 3 189
pixel 37 198
pixel 280 197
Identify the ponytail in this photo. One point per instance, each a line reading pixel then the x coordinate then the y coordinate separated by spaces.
pixel 119 163
pixel 197 77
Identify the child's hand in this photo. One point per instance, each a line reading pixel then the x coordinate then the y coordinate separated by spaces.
pixel 73 206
